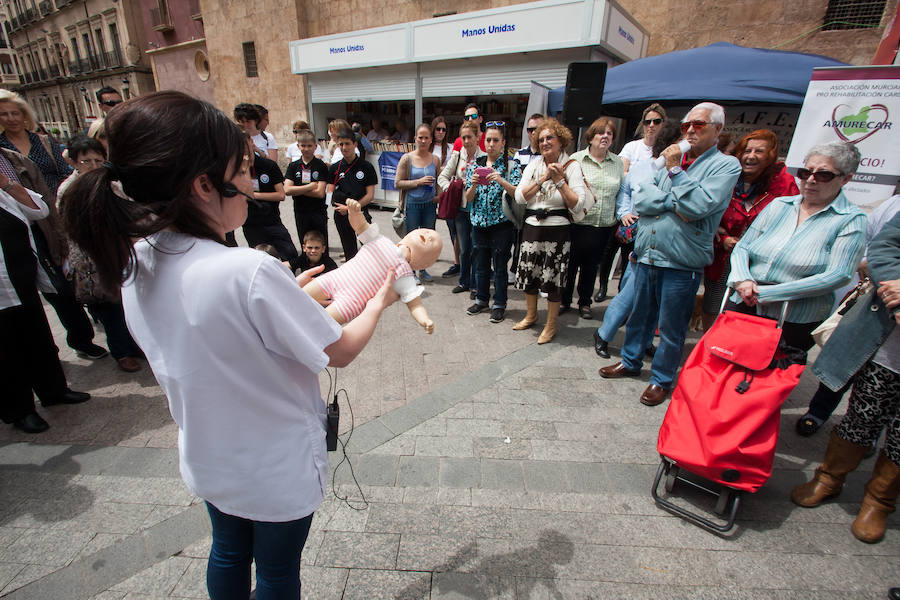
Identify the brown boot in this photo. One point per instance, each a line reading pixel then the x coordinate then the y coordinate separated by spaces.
pixel 550 328
pixel 530 314
pixel 881 495
pixel 841 457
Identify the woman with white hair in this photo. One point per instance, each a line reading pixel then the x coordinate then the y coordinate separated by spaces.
pixel 802 248
pixel 19 125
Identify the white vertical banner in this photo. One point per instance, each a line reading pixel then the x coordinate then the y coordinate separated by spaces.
pixel 859 105
pixel 537 103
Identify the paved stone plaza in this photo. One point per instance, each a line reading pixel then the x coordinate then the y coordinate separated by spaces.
pixel 492 468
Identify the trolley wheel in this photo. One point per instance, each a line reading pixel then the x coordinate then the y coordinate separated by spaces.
pixel 724 499
pixel 671 476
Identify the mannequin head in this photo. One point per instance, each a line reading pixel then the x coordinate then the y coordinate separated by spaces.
pixel 421 248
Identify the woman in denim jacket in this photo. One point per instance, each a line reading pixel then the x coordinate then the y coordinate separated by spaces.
pixel 870 328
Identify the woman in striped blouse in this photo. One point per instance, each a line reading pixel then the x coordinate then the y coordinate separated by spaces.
pixel 802 248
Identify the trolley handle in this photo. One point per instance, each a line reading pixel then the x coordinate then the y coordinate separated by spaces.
pixel 781 318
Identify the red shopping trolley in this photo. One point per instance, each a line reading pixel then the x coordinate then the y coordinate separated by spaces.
pixel 722 422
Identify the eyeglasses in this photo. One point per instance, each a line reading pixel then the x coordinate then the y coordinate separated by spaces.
pixel 471 117
pixel 90 161
pixel 546 138
pixel 653 121
pixel 110 102
pixel 697 125
pixel 440 129
pixel 530 130
pixel 818 176
pixel 495 124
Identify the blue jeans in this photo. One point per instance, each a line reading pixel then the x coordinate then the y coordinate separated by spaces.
pixel 464 233
pixel 451 227
pixel 664 296
pixel 420 215
pixel 492 245
pixel 276 548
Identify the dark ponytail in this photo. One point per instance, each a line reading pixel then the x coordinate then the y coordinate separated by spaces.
pixel 158 145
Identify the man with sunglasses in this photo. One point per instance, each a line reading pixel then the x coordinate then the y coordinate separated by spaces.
pixel 471 114
pixel 680 207
pixel 525 153
pixel 108 98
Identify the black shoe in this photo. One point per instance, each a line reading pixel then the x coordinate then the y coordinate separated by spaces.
pixel 471 294
pixel 476 308
pixel 459 289
pixel 600 296
pixel 32 423
pixel 497 315
pixel 67 397
pixel 894 593
pixel 453 270
pixel 650 351
pixel 600 345
pixel 585 312
pixel 807 425
pixel 91 351
pixel 564 308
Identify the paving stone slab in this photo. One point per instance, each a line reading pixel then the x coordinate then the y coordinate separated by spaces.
pixel 460 472
pixel 365 584
pixel 359 550
pixel 418 471
pixel 469 586
pixel 403 519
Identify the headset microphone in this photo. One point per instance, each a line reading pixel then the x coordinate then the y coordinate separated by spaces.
pixel 229 190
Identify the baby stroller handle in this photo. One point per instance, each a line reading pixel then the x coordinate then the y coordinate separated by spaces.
pixel 727 295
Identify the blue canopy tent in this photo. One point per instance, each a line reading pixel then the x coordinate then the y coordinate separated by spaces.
pixel 720 72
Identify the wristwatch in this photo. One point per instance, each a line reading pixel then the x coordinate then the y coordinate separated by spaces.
pixel 559 183
pixel 8 186
pixel 675 171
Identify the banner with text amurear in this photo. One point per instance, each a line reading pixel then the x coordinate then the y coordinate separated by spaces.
pixel 859 105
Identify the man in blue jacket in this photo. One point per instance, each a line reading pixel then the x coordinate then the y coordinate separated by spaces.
pixel 680 208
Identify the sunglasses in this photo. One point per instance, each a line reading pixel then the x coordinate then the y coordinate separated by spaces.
pixel 495 124
pixel 819 176
pixel 111 102
pixel 471 117
pixel 440 129
pixel 697 125
pixel 653 121
pixel 531 130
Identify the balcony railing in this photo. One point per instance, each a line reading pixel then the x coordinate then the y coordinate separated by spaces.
pixel 41 73
pixel 14 23
pixel 54 71
pixel 45 7
pixel 3 43
pixel 194 8
pixel 30 15
pixel 112 59
pixel 160 19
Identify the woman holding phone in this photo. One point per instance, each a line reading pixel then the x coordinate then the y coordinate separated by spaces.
pixel 231 337
pixel 489 180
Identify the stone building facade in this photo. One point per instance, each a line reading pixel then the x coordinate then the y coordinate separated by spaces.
pixel 176 45
pixel 790 25
pixel 66 50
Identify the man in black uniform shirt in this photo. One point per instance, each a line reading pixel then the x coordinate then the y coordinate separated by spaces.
pixel 350 177
pixel 263 224
pixel 304 180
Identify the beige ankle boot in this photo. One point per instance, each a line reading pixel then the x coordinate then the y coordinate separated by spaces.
pixel 530 314
pixel 550 328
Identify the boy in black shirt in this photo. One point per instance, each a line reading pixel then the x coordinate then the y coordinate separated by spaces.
pixel 263 224
pixel 313 254
pixel 304 180
pixel 350 177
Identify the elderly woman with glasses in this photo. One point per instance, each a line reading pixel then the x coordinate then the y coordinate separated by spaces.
pixel 553 192
pixel 802 248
